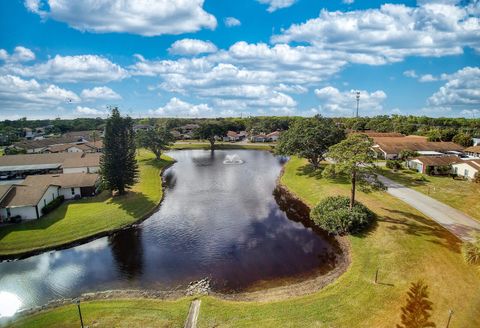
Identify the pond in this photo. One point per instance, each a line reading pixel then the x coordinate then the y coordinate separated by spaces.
pixel 219 219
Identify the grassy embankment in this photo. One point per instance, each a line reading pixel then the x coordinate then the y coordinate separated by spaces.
pixel 459 194
pixel 404 245
pixel 75 220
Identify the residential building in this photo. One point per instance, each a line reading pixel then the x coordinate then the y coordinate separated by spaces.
pixel 467 168
pixel 18 166
pixel 473 151
pixel 273 136
pixel 476 141
pixel 390 147
pixel 433 164
pixel 27 199
pixel 142 127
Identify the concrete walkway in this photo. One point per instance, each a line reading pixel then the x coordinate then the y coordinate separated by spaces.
pixel 455 221
pixel 192 318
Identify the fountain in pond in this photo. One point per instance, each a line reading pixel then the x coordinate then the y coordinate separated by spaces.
pixel 232 159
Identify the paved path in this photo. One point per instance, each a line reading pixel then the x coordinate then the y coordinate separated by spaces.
pixel 457 222
pixel 191 321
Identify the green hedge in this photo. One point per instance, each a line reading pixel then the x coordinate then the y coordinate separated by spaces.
pixel 53 205
pixel 334 216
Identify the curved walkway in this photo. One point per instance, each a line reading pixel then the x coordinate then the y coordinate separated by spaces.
pixel 460 224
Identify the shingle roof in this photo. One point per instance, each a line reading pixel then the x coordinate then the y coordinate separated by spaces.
pixel 4 189
pixel 86 160
pixel 438 160
pixel 32 159
pixel 71 180
pixel 394 145
pixel 33 187
pixel 473 149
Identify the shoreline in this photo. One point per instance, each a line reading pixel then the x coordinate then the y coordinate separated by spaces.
pixel 84 240
pixel 297 288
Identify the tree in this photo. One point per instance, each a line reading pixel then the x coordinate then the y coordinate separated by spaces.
pixel 416 313
pixel 118 165
pixel 310 139
pixel 156 140
pixel 354 157
pixel 208 130
pixel 463 139
pixel 406 154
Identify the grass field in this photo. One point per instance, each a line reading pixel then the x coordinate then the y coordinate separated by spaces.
pixel 404 245
pixel 79 219
pixel 459 194
pixel 114 313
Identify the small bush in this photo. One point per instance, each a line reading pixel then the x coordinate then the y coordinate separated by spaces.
pixel 471 251
pixel 394 164
pixel 334 216
pixel 53 205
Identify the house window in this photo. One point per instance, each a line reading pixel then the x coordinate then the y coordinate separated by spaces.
pixel 8 212
pixel 73 191
pixel 465 173
pixel 44 202
pixel 53 196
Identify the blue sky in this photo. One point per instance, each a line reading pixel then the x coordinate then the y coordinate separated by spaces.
pixel 211 58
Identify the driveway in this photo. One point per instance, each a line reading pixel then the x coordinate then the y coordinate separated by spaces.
pixel 455 221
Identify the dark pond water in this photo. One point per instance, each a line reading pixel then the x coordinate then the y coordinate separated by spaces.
pixel 217 220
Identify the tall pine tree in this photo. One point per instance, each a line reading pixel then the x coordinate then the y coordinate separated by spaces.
pixel 416 313
pixel 118 165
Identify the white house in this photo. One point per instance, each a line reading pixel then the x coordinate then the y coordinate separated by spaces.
pixel 274 136
pixel 27 201
pixel 432 164
pixel 29 198
pixel 467 168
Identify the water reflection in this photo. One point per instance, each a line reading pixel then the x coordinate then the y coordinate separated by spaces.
pixel 218 221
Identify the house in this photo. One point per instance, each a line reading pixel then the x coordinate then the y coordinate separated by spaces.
pixel 476 141
pixel 467 168
pixel 473 151
pixel 22 165
pixel 390 147
pixel 142 127
pixel 231 136
pixel 259 138
pixel 433 164
pixel 29 198
pixel 84 147
pixel 273 136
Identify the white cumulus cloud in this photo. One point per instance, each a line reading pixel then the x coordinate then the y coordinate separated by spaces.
pixel 81 68
pixel 335 102
pixel 20 54
pixel 390 33
pixel 17 93
pixel 231 22
pixel 274 5
pixel 99 93
pixel 143 17
pixel 179 108
pixel 87 111
pixel 191 47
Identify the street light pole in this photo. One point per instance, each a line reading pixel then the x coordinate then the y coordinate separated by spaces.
pixel 77 301
pixel 357 96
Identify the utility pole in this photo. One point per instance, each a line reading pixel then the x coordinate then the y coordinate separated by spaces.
pixel 357 96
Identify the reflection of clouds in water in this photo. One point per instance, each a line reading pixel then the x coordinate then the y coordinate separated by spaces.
pixel 9 304
pixel 93 246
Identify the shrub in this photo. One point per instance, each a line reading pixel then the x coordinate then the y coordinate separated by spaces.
pixel 334 216
pixel 471 251
pixel 394 164
pixel 53 205
pixel 476 178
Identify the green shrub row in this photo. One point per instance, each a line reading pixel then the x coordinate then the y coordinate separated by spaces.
pixel 53 205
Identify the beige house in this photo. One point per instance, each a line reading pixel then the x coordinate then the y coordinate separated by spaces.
pixel 432 164
pixel 467 168
pixel 473 151
pixel 27 199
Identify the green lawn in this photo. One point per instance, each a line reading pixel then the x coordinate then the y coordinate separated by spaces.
pixel 78 219
pixel 404 245
pixel 136 313
pixel 460 194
